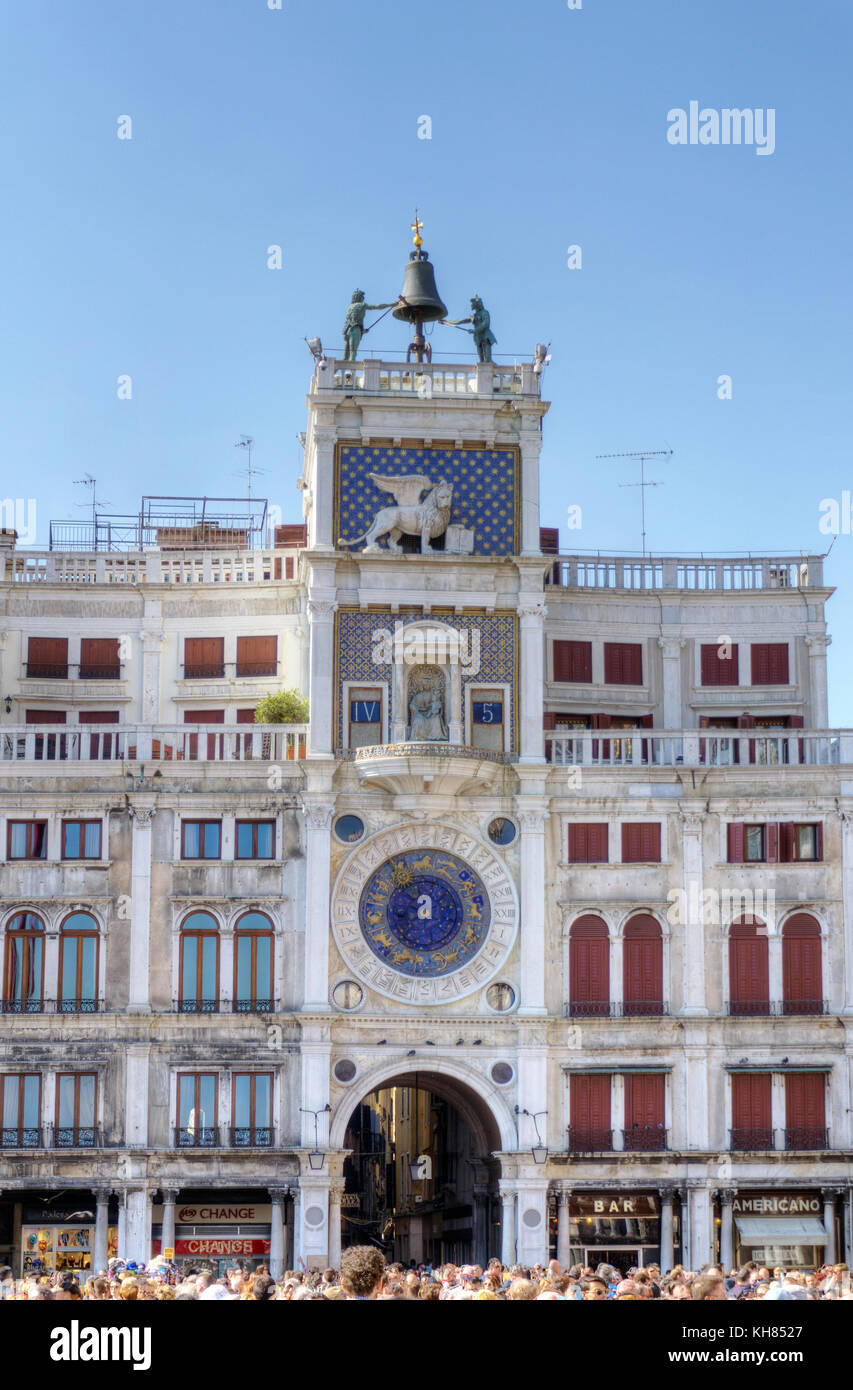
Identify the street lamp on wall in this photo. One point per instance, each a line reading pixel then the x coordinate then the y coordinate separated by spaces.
pixel 539 1150
pixel 316 1158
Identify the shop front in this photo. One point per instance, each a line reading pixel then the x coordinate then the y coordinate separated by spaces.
pixel 57 1237
pixel 623 1229
pixel 791 1229
pixel 216 1233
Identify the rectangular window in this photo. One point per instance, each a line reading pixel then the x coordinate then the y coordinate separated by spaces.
pixel 487 720
pixel 806 842
pixel 201 839
pixel 573 662
pixel 589 1111
pixel 781 842
pixel 99 659
pixel 27 839
pixel 588 844
pixel 645 1111
pixel 251 1105
pixel 197 1097
pixel 20 1111
pixel 75 1110
pixel 204 658
pixel 365 716
pixel 623 663
pixel 719 669
pixel 257 656
pixel 81 839
pixel 769 663
pixel 753 844
pixel 752 1121
pixel 47 658
pixel 255 839
pixel 641 843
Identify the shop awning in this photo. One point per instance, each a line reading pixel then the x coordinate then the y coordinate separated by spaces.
pixel 785 1230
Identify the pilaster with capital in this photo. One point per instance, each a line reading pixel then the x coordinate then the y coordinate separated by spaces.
pixel 817 645
pixel 564 1231
pixel 667 1229
pixel 691 820
pixel 845 815
pixel 320 469
pixel 321 637
pixel 671 649
pixel 152 645
pixel 141 812
pixel 726 1197
pixel 532 816
pixel 531 615
pixel 318 811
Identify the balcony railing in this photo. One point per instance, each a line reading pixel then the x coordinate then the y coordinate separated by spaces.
pixel 76 1137
pixel 712 574
pixel 198 1137
pixel 590 1140
pixel 214 671
pixel 692 748
pixel 644 1008
pixel 51 1006
pixel 807 1138
pixel 426 379
pixel 22 1137
pixel 591 1008
pixel 776 1008
pixel 749 1008
pixel 148 743
pixel 645 1139
pixel 251 1137
pixel 627 1008
pixel 225 1006
pixel 151 566
pixel 751 1140
pixel 63 671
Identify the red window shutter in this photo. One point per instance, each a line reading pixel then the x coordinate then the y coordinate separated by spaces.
pixel 642 963
pixel 805 1100
pixel 245 716
pixel 819 841
pixel 573 661
pixel 291 534
pixel 589 1101
pixel 716 669
pixel 623 663
pixel 601 721
pixel 588 844
pixel 735 839
pixel 589 966
pixel 769 663
pixel 204 655
pixel 45 716
pixel 257 656
pixel 752 1100
pixel 99 654
pixel 203 716
pixel 749 967
pixel 786 842
pixel 549 540
pixel 645 1105
pixel 98 716
pixel 802 972
pixel 641 844
pixel 47 656
pixel 771 843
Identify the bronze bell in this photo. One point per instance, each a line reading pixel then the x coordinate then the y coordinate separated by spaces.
pixel 423 302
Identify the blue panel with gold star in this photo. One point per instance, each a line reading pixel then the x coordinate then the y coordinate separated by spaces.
pixel 424 913
pixel 356 656
pixel 485 490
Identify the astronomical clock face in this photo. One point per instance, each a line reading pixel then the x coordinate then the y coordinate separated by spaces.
pixel 424 913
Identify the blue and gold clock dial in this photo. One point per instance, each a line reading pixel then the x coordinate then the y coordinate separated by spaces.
pixel 424 912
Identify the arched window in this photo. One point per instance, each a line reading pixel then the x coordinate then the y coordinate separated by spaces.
pixel 199 970
pixel 749 969
pixel 642 967
pixel 802 974
pixel 78 965
pixel 253 958
pixel 589 968
pixel 23 978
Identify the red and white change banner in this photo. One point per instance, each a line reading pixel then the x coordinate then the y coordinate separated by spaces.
pixel 222 1247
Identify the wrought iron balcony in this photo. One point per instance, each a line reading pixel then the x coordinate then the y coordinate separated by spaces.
pixel 225 1006
pixel 79 1006
pixel 76 1137
pixel 22 1137
pixel 806 1137
pixel 790 1007
pixel 196 1006
pixel 644 1008
pixel 590 1008
pixel 751 1140
pixel 197 1137
pixel 214 670
pixel 590 1140
pixel 251 1136
pixel 749 1008
pixel 52 1006
pixel 645 1139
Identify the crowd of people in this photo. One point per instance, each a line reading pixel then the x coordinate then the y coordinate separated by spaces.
pixel 364 1275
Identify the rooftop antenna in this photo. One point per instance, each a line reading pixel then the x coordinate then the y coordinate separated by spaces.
pixel 249 472
pixel 642 455
pixel 91 482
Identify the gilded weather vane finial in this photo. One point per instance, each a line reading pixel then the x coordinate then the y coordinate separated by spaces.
pixel 416 228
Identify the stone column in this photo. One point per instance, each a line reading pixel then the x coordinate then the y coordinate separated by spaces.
pixel 318 822
pixel 701 1241
pixel 167 1235
pixel 136 1096
pixel 100 1252
pixel 53 984
pixel 508 1236
pixel 141 815
pixel 532 1226
pixel 531 447
pixel 321 629
pixel 276 1232
pixel 819 716
pixel 694 1002
pixel 137 1226
pixel 336 1191
pixel 152 643
pixel 727 1196
pixel 321 471
pixel 667 1244
pixel 684 1225
pixel 673 711
pixel 531 613
pixel 532 820
pixel 829 1195
pixel 564 1231
pixel 845 814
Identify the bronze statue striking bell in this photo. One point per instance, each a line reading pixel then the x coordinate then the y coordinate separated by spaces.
pixel 423 302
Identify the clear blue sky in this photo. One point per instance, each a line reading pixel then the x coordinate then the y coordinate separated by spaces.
pixel 299 127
